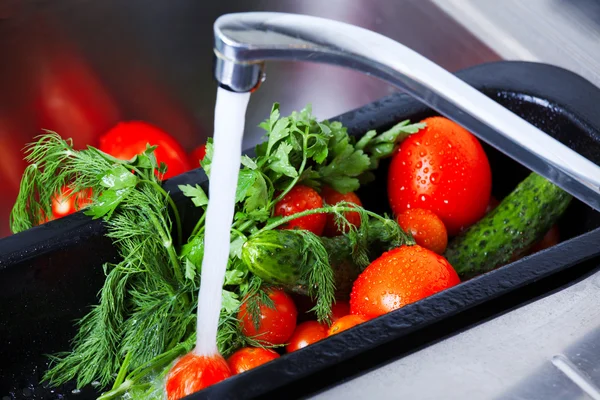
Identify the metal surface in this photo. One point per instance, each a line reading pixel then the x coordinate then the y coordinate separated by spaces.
pixel 78 67
pixel 560 32
pixel 248 38
pixel 519 355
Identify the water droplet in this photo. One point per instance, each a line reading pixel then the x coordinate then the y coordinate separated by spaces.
pixel 445 201
pixel 434 177
pixel 426 170
pixel 419 164
pixel 423 181
pixel 402 188
pixel 423 153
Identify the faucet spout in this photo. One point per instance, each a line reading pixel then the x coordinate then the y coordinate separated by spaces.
pixel 244 41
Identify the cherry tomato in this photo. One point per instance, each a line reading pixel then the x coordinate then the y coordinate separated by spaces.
pixel 426 228
pixel 332 197
pixel 197 155
pixel 127 139
pixel 339 309
pixel 442 168
pixel 400 277
pixel 306 333
pixel 250 357
pixel 64 204
pixel 551 238
pixel 192 373
pixel 276 324
pixel 345 323
pixel 302 198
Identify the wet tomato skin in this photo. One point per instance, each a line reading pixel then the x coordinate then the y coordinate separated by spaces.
pixel 426 228
pixel 301 198
pixel 192 373
pixel 333 197
pixel 306 333
pixel 345 323
pixel 399 277
pixel 276 324
pixel 442 168
pixel 250 357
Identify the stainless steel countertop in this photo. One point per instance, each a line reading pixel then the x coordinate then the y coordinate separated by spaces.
pixel 559 32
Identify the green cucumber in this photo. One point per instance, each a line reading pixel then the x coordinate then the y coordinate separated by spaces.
pixel 279 256
pixel 275 256
pixel 507 232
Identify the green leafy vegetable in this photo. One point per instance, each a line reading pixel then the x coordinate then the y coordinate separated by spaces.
pixel 146 316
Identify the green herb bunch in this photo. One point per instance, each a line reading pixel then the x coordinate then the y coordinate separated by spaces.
pixel 146 314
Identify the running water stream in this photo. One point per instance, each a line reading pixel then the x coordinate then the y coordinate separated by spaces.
pixel 230 117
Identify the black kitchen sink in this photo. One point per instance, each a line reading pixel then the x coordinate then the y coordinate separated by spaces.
pixel 50 275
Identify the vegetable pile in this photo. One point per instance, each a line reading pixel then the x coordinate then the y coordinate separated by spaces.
pixel 300 236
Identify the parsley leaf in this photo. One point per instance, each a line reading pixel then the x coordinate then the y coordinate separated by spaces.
pixel 107 203
pixel 281 163
pixel 118 178
pixel 229 301
pixel 195 193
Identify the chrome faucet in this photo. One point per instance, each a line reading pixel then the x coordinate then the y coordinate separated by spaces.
pixel 244 41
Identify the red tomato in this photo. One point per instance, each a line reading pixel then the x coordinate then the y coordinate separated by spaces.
pixel 197 155
pixel 276 324
pixel 332 197
pixel 63 204
pixel 339 309
pixel 400 277
pixel 302 198
pixel 127 139
pixel 345 323
pixel 306 333
pixel 426 228
pixel 551 238
pixel 250 357
pixel 442 168
pixel 192 373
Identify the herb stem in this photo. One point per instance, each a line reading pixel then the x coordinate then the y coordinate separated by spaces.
pixel 122 371
pixel 300 171
pixel 168 244
pixel 172 205
pixel 329 209
pixel 198 225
